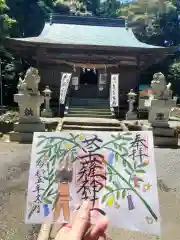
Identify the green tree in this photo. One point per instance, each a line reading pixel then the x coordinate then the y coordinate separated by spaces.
pixel 5 21
pixel 74 7
pixel 30 16
pixel 109 8
pixel 145 12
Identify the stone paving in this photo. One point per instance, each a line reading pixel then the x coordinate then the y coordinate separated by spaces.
pixel 14 166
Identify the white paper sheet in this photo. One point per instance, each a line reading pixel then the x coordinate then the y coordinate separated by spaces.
pixel 116 171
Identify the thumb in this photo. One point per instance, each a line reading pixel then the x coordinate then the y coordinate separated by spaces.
pixel 81 222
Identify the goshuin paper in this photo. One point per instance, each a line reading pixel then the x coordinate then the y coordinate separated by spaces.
pixel 116 171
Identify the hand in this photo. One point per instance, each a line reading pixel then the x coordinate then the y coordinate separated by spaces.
pixel 81 228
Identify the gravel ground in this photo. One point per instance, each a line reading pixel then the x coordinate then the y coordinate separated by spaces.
pixel 14 166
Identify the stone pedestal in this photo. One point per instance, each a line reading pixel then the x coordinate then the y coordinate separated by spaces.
pixel 46 113
pixel 30 122
pixel 162 107
pixel 131 116
pixel 164 135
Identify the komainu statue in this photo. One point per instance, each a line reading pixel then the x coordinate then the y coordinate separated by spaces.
pixel 160 90
pixel 30 82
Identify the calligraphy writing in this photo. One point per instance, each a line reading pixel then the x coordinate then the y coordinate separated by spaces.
pixel 91 177
pixel 91 144
pixel 137 148
pixel 28 112
pixel 37 190
pixel 160 116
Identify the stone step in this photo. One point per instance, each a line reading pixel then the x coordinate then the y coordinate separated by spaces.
pixel 105 112
pixel 90 128
pixel 77 109
pixel 95 115
pixel 109 122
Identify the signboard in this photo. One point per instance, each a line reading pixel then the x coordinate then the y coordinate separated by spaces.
pixel 65 80
pixel 103 79
pixel 75 81
pixel 114 90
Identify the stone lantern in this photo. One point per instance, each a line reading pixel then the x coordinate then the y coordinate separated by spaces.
pixel 47 112
pixel 131 115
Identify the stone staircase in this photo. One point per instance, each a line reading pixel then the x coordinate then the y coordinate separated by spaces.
pixel 91 124
pixel 89 107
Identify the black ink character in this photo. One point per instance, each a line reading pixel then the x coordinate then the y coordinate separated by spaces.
pixel 28 112
pixel 91 144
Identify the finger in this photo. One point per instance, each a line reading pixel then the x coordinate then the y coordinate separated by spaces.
pixel 44 232
pixel 99 229
pixel 102 237
pixel 55 229
pixel 81 222
pixel 62 234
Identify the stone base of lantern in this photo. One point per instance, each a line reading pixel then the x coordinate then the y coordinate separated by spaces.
pixel 131 116
pixel 164 135
pixel 46 113
pixel 23 132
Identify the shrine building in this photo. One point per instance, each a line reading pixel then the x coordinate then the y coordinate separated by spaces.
pixel 91 49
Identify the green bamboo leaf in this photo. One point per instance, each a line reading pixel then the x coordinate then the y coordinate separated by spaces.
pixel 46 178
pixel 130 166
pixel 109 170
pixel 118 195
pixel 135 164
pixel 73 158
pixel 40 142
pixel 127 134
pixel 109 188
pixel 140 171
pixel 124 162
pixel 115 146
pixel 52 171
pixel 123 193
pixel 50 152
pixel 116 157
pixel 47 201
pixel 116 184
pixel 110 177
pixel 41 136
pixel 113 136
pixel 49 193
pixel 140 180
pixel 125 151
pixel 104 198
pixel 127 138
pixel 51 177
pixel 43 151
pixel 110 201
pixel 127 172
pixel 142 165
pixel 32 211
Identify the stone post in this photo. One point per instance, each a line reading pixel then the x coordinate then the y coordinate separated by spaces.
pixel 159 112
pixel 47 112
pixel 29 101
pixel 131 114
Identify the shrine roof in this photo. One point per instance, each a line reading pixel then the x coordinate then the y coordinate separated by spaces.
pixel 88 32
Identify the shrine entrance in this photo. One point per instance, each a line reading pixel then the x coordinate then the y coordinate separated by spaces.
pixel 88 76
pixel 88 84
